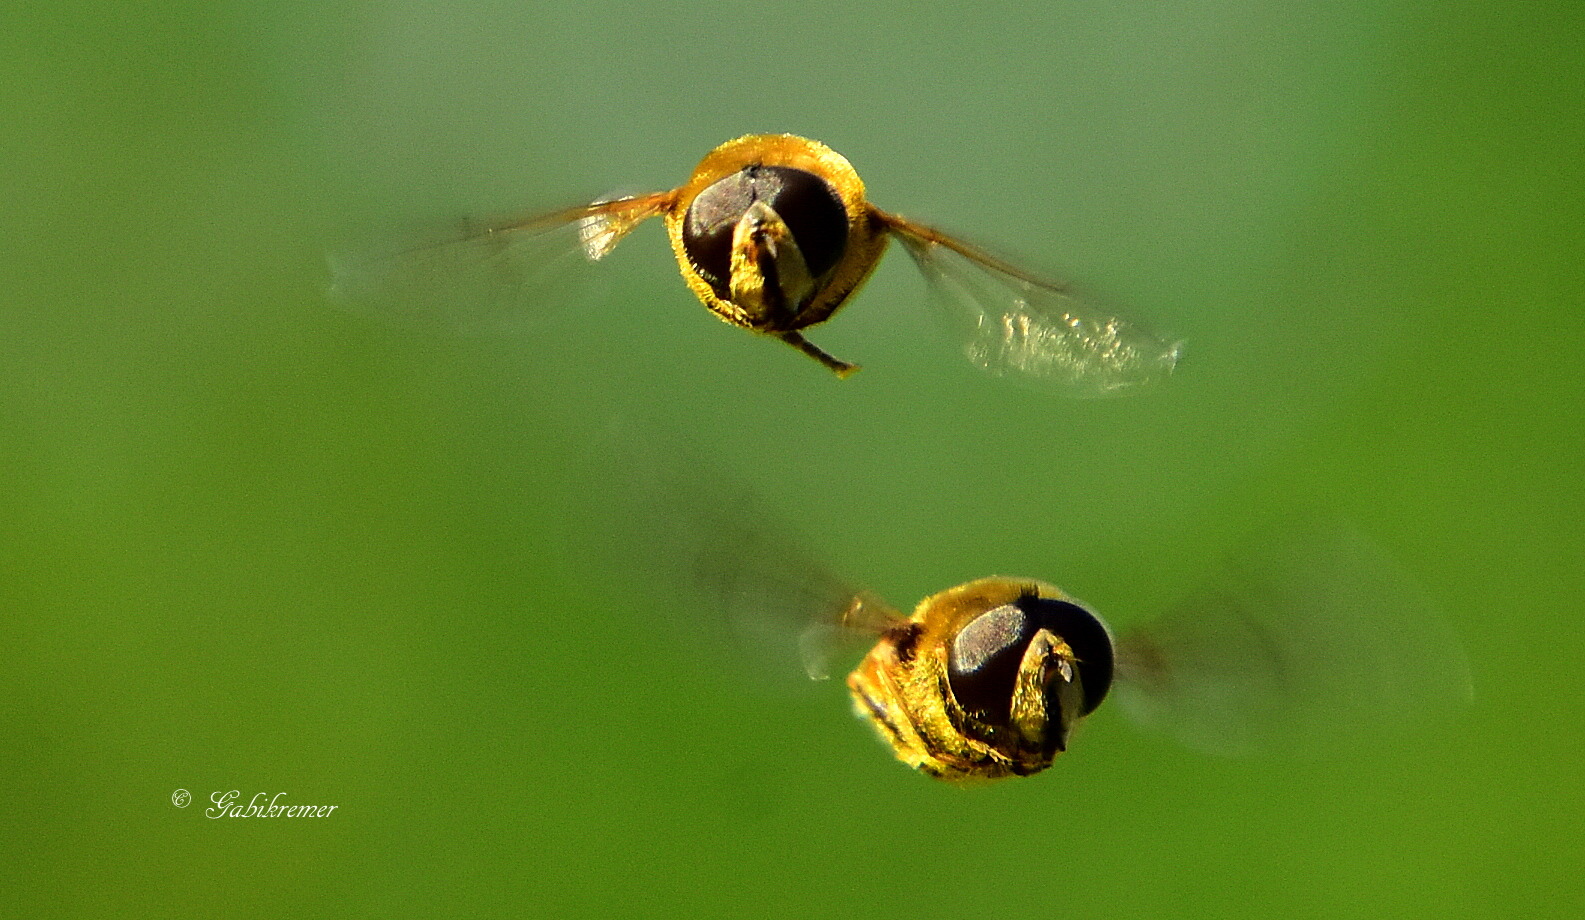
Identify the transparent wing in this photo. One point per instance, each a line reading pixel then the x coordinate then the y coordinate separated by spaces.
pixel 1015 324
pixel 1310 639
pixel 484 276
pixel 712 547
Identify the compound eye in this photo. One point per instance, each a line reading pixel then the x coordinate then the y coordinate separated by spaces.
pixel 982 667
pixel 806 203
pixel 1085 634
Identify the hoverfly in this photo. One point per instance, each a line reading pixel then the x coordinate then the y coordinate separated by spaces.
pixel 986 680
pixel 989 679
pixel 773 234
pixel 1308 635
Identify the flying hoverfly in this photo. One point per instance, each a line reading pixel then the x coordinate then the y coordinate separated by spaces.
pixel 990 678
pixel 985 680
pixel 773 234
pixel 1308 635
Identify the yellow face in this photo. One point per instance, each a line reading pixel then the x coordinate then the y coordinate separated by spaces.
pixel 773 234
pixel 985 680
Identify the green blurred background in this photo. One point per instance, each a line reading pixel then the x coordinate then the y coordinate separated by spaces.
pixel 250 542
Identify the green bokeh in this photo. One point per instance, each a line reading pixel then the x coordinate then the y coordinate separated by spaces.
pixel 249 542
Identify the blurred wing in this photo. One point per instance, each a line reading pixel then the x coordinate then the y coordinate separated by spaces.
pixel 1310 639
pixel 713 547
pixel 485 276
pixel 1012 323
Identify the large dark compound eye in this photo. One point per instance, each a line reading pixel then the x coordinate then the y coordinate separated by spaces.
pixel 982 667
pixel 807 205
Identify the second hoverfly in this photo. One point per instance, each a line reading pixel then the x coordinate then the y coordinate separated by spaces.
pixel 1308 638
pixel 773 234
